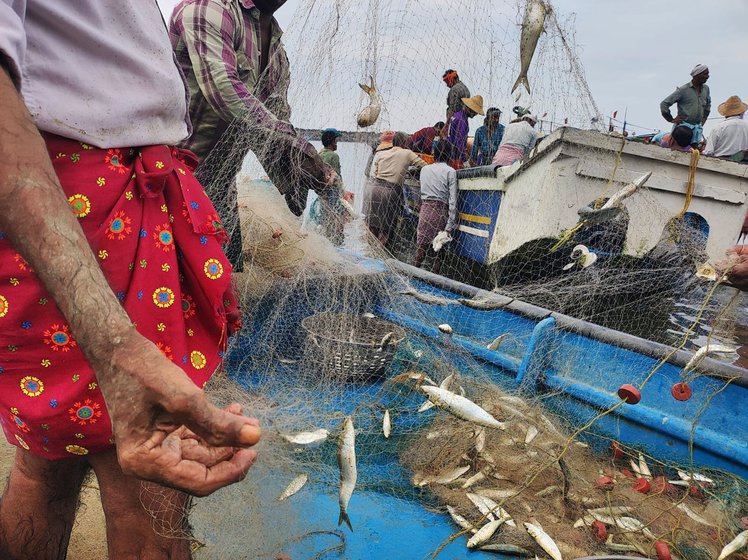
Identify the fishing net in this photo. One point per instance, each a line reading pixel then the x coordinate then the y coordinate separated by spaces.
pixel 535 319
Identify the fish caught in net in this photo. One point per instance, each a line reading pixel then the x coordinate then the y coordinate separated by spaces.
pixel 540 396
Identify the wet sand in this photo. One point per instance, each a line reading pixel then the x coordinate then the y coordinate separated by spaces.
pixel 88 541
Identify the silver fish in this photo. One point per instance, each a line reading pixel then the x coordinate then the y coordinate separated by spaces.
pixel 483 304
pixel 461 521
pixel 307 438
pixel 705 351
pixel 386 424
pixel 386 339
pixel 532 26
pixel 461 407
pixel 695 516
pixel 442 477
pixel 484 533
pixel 532 433
pixel 477 477
pixel 347 465
pixel 695 478
pixel 446 328
pixel 496 342
pixel 614 204
pixel 426 298
pixel 491 509
pixel 644 468
pixel 369 114
pixel 544 540
pixel 734 545
pixel 508 549
pixel 445 384
pixel 296 485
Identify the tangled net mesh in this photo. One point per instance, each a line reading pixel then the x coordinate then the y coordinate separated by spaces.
pixel 335 332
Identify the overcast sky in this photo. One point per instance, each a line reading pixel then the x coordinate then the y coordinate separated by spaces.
pixel 635 52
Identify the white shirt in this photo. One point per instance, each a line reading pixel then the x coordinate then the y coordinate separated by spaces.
pixel 521 134
pixel 439 182
pixel 728 137
pixel 96 71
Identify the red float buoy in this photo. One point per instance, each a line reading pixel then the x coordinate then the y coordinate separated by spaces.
pixel 681 391
pixel 617 450
pixel 642 485
pixel 599 530
pixel 627 473
pixel 629 393
pixel 662 550
pixel 277 233
pixel 605 483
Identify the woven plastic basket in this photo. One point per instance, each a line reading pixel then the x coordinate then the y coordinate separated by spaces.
pixel 353 347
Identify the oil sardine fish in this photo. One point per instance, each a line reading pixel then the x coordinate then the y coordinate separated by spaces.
pixel 307 438
pixel 507 549
pixel 484 533
pixel 347 465
pixel 442 477
pixel 496 342
pixel 369 114
pixel 614 204
pixel 461 521
pixel 734 545
pixel 462 407
pixel 296 485
pixel 386 424
pixel 704 351
pixel 544 540
pixel 445 384
pixel 426 298
pixel 532 26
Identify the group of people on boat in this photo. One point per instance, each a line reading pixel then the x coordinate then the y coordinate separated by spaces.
pixel 728 139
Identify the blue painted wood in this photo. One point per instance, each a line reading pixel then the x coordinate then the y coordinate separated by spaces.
pixel 476 203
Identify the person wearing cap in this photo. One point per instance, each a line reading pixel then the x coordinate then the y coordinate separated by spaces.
pixel 383 191
pixel 331 211
pixel 519 138
pixel 729 137
pixel 487 138
pixel 694 103
pixel 457 91
pixel 459 127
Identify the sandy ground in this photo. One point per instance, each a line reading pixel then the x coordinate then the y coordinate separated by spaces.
pixel 88 541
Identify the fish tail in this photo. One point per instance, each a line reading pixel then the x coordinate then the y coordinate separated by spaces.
pixel 522 80
pixel 344 517
pixel 366 88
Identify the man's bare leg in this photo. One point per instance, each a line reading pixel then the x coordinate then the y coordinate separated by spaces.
pixel 134 532
pixel 38 506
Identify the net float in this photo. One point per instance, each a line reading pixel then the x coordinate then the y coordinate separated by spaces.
pixel 681 391
pixel 599 530
pixel 662 550
pixel 605 483
pixel 629 394
pixel 642 485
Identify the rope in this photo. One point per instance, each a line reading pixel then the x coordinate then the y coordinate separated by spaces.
pixel 691 180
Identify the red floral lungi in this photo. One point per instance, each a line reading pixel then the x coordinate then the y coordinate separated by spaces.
pixel 158 240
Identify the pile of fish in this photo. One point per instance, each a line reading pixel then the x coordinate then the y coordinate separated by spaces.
pixel 516 484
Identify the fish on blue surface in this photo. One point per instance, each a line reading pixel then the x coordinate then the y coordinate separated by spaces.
pixel 347 465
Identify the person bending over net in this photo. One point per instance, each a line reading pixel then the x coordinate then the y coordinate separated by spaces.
pixel 438 204
pixel 237 74
pixel 383 199
pixel 115 296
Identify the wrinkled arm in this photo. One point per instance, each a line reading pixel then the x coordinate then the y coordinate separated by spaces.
pixel 452 221
pixel 147 396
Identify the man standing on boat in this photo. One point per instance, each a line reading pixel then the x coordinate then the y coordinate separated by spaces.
pixel 237 75
pixel 487 138
pixel 457 91
pixel 331 214
pixel 694 103
pixel 730 137
pixel 459 127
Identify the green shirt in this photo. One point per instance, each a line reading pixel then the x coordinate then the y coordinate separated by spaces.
pixel 693 108
pixel 331 158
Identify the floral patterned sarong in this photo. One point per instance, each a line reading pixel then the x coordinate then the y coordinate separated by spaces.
pixel 158 240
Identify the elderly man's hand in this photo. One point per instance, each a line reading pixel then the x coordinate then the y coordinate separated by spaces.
pixel 165 429
pixel 736 266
